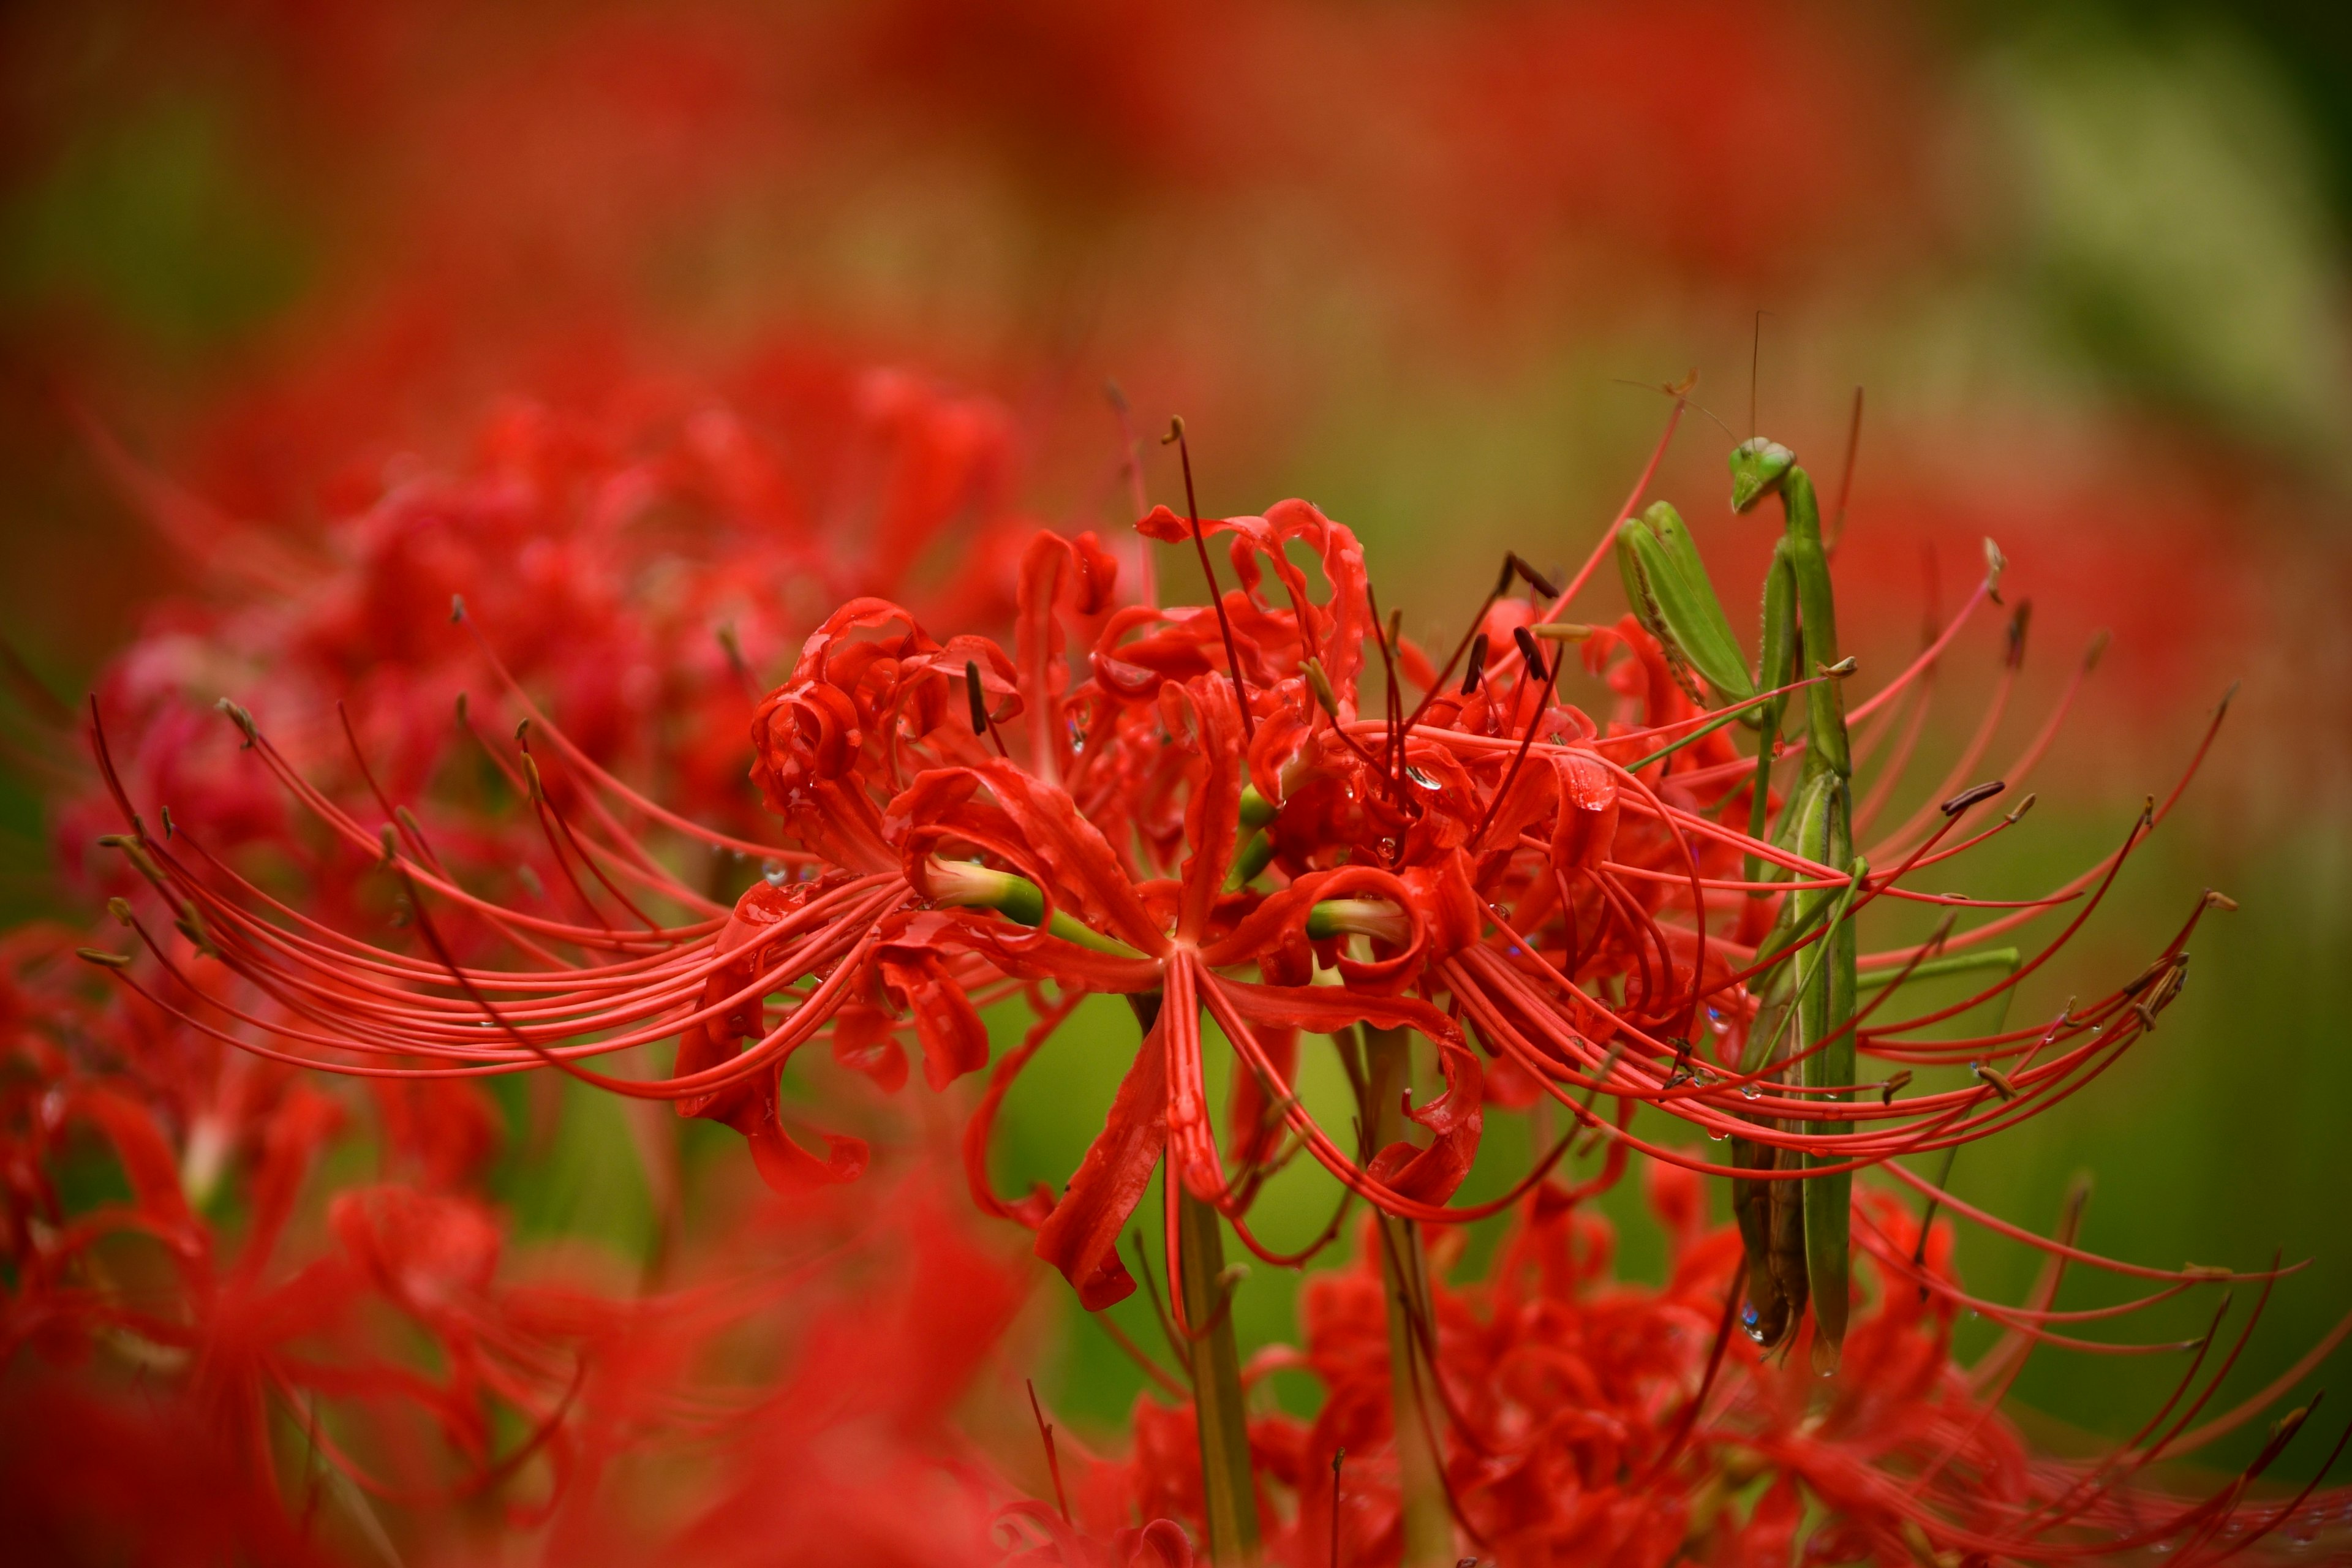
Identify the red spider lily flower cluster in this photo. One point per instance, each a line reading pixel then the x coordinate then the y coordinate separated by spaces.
pixel 641 553
pixel 225 1333
pixel 1588 1420
pixel 968 821
pixel 1197 808
pixel 338 1355
pixel 214 1353
pixel 626 543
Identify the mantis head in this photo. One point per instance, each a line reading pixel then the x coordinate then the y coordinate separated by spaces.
pixel 1756 465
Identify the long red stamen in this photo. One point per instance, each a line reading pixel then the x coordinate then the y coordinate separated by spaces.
pixel 1053 1459
pixel 1216 595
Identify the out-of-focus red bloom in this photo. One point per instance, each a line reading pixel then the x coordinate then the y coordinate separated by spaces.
pixel 1584 1419
pixel 285 1384
pixel 634 560
pixel 227 1332
pixel 88 1477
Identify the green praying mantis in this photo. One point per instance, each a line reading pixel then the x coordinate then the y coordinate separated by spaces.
pixel 1796 1232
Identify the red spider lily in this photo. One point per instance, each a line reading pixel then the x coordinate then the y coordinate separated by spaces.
pixel 624 556
pixel 239 1335
pixel 1584 1419
pixel 872 766
pixel 1492 856
pixel 283 1404
pixel 1597 859
pixel 1504 854
pixel 626 543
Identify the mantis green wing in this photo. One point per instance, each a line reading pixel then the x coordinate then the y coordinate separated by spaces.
pixel 1668 586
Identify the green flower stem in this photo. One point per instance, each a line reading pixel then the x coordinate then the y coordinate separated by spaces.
pixel 1229 1493
pixel 1404 1277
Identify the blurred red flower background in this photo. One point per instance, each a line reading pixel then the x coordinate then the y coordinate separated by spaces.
pixel 657 333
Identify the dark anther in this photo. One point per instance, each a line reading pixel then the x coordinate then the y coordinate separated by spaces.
pixel 2018 622
pixel 978 702
pixel 1972 796
pixel 1477 664
pixel 1503 582
pixel 1528 652
pixel 1533 578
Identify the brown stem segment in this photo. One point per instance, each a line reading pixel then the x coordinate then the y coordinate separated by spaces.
pixel 1228 1493
pixel 1404 1279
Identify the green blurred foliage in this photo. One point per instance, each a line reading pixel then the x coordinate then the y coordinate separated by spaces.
pixel 160 224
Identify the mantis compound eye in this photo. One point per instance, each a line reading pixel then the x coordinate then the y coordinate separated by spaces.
pixel 1756 465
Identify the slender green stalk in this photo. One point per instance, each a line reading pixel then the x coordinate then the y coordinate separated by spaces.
pixel 1404 1277
pixel 1229 1496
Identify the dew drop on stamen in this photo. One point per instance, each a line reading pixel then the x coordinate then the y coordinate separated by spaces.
pixel 1387 848
pixel 1717 1021
pixel 774 873
pixel 1748 1324
pixel 1717 1137
pixel 1751 1090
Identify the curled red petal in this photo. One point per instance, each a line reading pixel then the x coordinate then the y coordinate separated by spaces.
pixel 789 1169
pixel 953 1038
pixel 1080 1237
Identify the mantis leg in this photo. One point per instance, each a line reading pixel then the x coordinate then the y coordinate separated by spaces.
pixel 1775 661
